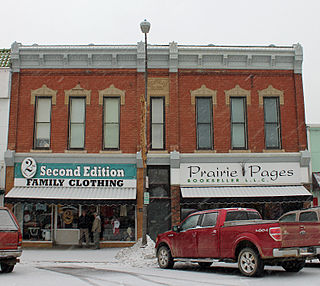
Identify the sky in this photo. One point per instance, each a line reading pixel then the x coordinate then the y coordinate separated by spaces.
pixel 191 22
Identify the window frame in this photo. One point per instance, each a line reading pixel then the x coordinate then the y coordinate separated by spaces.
pixel 104 122
pixel 211 137
pixel 245 123
pixel 37 98
pixel 84 123
pixel 278 122
pixel 163 124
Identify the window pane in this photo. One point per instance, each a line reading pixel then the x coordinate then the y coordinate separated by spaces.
pixel 289 218
pixel 77 110
pixel 43 135
pixel 190 222
pixel 209 219
pixel 204 110
pixel 111 109
pixel 43 109
pixel 111 136
pixel 157 136
pixel 270 109
pixel 204 136
pixel 238 136
pixel 76 136
pixel 308 216
pixel 272 136
pixel 237 108
pixel 157 110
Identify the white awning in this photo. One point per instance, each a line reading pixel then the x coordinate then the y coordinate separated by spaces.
pixel 67 193
pixel 242 192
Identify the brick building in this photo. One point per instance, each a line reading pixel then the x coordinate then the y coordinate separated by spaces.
pixel 226 127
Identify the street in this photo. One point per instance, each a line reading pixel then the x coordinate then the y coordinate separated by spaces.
pixel 101 267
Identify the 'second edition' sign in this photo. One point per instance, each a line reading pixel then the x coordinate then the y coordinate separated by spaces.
pixel 32 174
pixel 239 174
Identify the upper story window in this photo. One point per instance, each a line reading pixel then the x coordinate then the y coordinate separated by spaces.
pixel 272 128
pixel 77 114
pixel 111 124
pixel 238 123
pixel 204 123
pixel 42 128
pixel 157 123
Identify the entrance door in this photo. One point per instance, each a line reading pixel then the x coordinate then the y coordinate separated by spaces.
pixel 159 217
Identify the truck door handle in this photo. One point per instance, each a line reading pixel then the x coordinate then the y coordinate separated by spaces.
pixel 302 232
pixel 214 232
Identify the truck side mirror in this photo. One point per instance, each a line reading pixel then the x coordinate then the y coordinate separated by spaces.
pixel 176 228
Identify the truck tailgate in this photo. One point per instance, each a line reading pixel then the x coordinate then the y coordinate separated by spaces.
pixel 9 239
pixel 299 234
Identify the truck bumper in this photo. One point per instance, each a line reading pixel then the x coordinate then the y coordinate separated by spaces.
pixel 297 251
pixel 10 253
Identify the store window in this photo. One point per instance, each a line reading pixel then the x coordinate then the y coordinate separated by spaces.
pixel 238 123
pixel 157 123
pixel 111 125
pixel 77 122
pixel 118 223
pixel 42 123
pixel 272 128
pixel 35 220
pixel 204 123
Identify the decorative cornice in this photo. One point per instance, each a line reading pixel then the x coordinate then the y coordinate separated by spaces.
pixel 237 91
pixel 112 91
pixel 203 91
pixel 44 91
pixel 172 57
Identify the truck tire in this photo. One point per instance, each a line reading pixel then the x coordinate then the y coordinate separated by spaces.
pixel 250 263
pixel 294 265
pixel 6 268
pixel 164 256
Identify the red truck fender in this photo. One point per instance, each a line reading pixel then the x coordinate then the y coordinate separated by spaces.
pixel 246 240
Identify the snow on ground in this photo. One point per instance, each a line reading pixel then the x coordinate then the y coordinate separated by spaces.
pixel 137 255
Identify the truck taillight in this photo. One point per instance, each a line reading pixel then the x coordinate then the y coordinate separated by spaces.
pixel 19 238
pixel 275 233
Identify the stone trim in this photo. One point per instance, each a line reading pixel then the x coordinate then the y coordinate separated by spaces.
pixel 237 91
pixel 77 91
pixel 158 87
pixel 112 91
pixel 270 91
pixel 239 151
pixel 44 91
pixel 203 91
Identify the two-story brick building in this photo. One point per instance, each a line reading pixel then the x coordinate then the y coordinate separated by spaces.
pixel 225 127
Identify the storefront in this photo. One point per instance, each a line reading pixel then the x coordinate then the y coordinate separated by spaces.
pixel 270 184
pixel 48 198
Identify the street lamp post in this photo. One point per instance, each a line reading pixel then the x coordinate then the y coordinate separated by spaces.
pixel 145 28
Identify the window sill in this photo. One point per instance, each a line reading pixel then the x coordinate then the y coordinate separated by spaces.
pixel 240 151
pixel 110 152
pixel 75 151
pixel 273 150
pixel 158 152
pixel 205 151
pixel 40 151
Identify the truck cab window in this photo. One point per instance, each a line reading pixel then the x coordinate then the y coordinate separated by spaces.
pixel 209 219
pixel 288 218
pixel 190 222
pixel 308 216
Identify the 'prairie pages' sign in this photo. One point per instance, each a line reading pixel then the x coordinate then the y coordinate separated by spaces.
pixel 29 173
pixel 223 174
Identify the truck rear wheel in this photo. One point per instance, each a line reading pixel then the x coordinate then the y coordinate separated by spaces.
pixel 164 256
pixel 250 263
pixel 6 268
pixel 294 265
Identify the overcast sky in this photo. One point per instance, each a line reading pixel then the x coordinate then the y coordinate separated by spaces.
pixel 198 22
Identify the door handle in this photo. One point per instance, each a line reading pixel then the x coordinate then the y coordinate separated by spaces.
pixel 214 232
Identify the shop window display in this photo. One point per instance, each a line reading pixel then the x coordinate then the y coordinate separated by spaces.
pixel 35 220
pixel 118 223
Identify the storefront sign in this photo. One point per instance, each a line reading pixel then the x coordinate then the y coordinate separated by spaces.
pixel 239 174
pixel 29 173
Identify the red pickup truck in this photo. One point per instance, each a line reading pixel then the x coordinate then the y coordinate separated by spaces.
pixel 10 240
pixel 238 235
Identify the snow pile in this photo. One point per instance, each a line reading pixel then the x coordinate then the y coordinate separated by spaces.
pixel 137 255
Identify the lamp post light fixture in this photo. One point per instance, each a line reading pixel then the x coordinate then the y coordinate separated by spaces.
pixel 145 28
